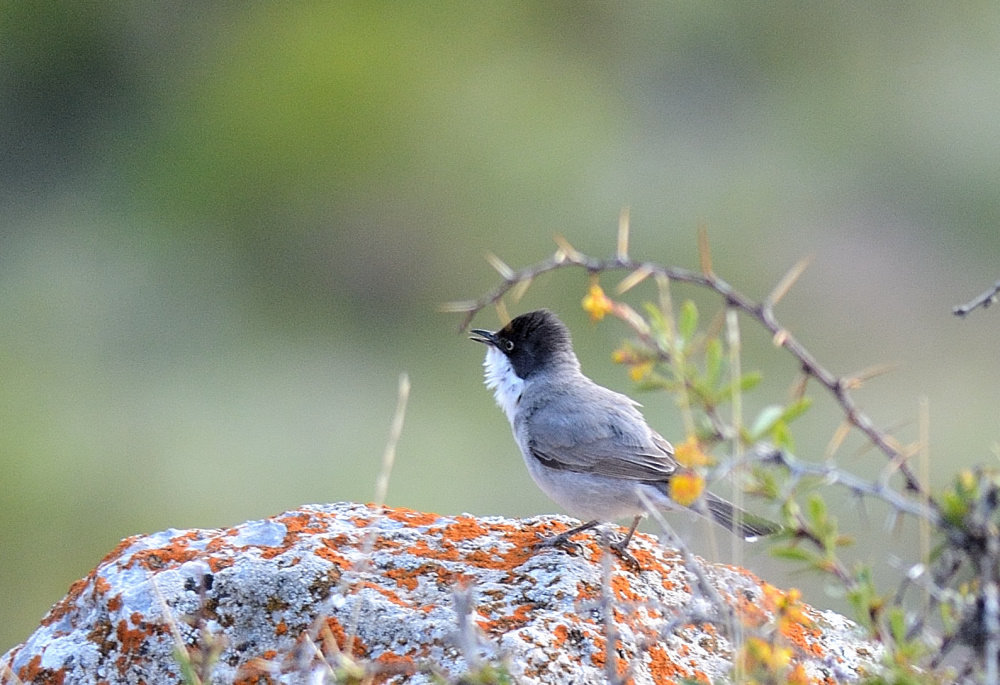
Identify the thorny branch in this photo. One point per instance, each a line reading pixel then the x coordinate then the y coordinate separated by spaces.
pixel 763 312
pixel 984 300
pixel 964 515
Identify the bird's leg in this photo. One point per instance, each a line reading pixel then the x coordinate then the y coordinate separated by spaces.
pixel 621 545
pixel 563 539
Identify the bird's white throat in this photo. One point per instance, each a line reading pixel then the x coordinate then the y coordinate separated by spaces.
pixel 501 379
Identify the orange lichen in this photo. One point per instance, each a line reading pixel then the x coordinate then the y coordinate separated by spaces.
pixel 34 673
pixel 410 517
pixel 561 634
pixel 131 639
pixel 332 555
pixel 389 664
pixel 805 639
pixel 622 588
pixel 174 554
pixel 503 624
pixel 101 586
pixel 663 668
pixel 463 528
pixel 67 603
pixel 339 635
pixel 216 564
pixel 114 554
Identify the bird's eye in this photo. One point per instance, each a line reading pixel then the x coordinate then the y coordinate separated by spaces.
pixel 508 345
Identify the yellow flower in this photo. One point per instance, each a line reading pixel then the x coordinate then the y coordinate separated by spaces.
pixel 686 487
pixel 760 656
pixel 689 454
pixel 596 303
pixel 639 371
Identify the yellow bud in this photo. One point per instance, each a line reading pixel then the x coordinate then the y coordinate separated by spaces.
pixel 596 303
pixel 686 487
pixel 689 454
pixel 639 371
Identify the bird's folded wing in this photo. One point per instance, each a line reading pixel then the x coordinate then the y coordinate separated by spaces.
pixel 609 457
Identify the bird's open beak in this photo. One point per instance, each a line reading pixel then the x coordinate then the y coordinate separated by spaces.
pixel 486 337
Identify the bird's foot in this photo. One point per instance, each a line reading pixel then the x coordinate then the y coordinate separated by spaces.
pixel 561 540
pixel 619 547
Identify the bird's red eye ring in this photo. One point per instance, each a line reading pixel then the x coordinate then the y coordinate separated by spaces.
pixel 508 345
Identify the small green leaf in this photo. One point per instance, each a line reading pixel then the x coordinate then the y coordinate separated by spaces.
pixel 817 510
pixel 749 381
pixel 765 421
pixel 657 323
pixel 781 436
pixel 796 409
pixel 713 362
pixel 688 321
pixel 791 553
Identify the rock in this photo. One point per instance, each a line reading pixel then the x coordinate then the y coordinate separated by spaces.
pixel 405 596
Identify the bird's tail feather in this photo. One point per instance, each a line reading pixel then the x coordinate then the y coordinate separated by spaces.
pixel 739 522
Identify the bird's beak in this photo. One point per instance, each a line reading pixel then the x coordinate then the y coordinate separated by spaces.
pixel 486 337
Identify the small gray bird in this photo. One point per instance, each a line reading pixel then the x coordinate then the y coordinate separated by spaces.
pixel 586 447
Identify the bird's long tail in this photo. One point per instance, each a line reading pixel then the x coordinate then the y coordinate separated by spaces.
pixel 739 522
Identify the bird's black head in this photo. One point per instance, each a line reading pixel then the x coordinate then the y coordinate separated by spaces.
pixel 532 342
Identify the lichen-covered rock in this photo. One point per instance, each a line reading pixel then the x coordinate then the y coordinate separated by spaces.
pixel 337 587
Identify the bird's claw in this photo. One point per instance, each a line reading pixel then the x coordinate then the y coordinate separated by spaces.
pixel 620 548
pixel 559 541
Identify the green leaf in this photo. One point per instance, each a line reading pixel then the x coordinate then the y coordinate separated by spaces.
pixel 791 553
pixel 816 509
pixel 657 324
pixel 688 321
pixel 713 362
pixel 897 624
pixel 781 436
pixel 796 409
pixel 749 381
pixel 765 421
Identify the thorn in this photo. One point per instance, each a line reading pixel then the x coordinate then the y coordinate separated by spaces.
pixel 798 389
pixel 571 252
pixel 788 280
pixel 506 273
pixel 704 252
pixel 502 313
pixel 857 380
pixel 518 291
pixel 623 227
pixel 459 307
pixel 839 435
pixel 633 279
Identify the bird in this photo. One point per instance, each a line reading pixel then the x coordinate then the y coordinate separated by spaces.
pixel 585 446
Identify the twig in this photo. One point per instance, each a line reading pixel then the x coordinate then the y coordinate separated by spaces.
pixel 610 630
pixel 839 387
pixel 6 671
pixel 832 475
pixel 984 300
pixel 691 563
pixel 381 490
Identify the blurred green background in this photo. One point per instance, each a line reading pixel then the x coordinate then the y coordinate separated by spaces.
pixel 226 228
